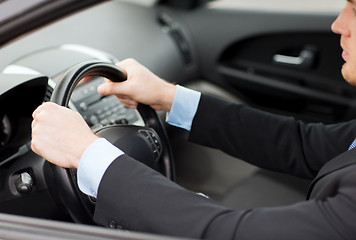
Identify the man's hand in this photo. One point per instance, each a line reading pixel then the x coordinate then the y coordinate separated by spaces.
pixel 141 86
pixel 60 135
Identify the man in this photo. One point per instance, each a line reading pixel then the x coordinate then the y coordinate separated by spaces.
pixel 143 200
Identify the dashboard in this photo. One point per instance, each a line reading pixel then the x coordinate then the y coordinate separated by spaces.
pixel 90 34
pixel 29 80
pixel 55 48
pixel 49 52
pixel 18 100
pixel 31 66
pixel 23 171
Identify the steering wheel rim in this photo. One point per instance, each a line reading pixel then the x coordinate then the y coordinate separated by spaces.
pixel 64 180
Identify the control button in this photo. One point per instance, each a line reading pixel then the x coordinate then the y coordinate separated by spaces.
pixel 152 134
pixel 99 112
pixel 155 154
pixel 122 121
pixel 115 116
pixel 108 113
pixel 83 106
pixel 105 122
pixel 113 224
pixel 115 109
pixel 24 183
pixel 144 133
pixel 155 140
pixel 102 116
pixel 158 147
pixel 93 119
pixel 122 111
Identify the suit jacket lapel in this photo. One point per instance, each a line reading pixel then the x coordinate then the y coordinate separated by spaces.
pixel 343 160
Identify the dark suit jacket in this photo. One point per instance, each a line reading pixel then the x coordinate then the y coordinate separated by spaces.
pixel 137 198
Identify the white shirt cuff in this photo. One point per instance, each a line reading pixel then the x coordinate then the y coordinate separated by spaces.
pixel 93 164
pixel 184 107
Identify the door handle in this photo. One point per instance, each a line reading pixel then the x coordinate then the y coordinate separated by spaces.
pixel 305 59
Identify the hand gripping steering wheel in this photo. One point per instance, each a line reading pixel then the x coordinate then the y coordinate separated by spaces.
pixel 148 144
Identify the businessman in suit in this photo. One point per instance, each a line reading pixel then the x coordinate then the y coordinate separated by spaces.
pixel 133 196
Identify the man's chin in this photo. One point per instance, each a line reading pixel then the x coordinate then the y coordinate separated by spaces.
pixel 349 74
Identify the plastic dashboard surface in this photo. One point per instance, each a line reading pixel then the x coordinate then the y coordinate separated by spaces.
pixel 120 29
pixel 18 100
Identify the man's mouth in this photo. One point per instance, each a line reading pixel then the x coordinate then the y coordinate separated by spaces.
pixel 345 55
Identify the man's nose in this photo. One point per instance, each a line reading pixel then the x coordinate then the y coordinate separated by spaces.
pixel 340 26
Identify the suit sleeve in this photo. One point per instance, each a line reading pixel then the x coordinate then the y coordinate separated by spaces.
pixel 268 140
pixel 140 199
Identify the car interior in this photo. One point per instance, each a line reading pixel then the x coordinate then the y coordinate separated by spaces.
pixel 276 56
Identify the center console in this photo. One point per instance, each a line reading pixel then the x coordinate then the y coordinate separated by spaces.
pixel 99 110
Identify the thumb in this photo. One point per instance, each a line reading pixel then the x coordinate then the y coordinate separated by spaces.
pixel 110 88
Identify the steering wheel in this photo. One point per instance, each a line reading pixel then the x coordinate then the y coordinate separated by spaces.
pixel 148 144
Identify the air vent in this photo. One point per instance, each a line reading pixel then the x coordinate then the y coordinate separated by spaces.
pixel 48 94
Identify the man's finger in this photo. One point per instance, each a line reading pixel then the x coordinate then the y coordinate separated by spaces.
pixel 37 111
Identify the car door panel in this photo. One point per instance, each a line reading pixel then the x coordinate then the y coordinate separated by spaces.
pixel 236 51
pixel 255 54
pixel 314 91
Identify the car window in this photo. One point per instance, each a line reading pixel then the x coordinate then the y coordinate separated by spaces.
pixel 293 5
